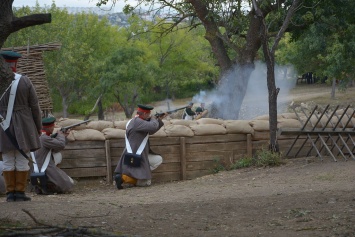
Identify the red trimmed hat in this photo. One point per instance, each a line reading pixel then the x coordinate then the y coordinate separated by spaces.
pixel 10 55
pixel 145 108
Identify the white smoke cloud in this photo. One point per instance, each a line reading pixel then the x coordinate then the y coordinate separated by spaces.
pixel 255 102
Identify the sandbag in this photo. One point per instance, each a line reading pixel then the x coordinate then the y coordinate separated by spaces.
pixel 260 125
pixel 183 122
pixel 208 129
pixel 266 117
pixel 344 121
pixel 114 133
pixel 120 124
pixel 210 121
pixel 178 131
pixel 238 127
pixel 166 122
pixel 88 135
pixel 289 116
pixel 160 133
pixel 70 136
pixel 99 125
pixel 288 123
pixel 349 112
pixel 313 120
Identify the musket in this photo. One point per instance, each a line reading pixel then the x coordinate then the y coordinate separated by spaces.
pixel 66 128
pixel 170 111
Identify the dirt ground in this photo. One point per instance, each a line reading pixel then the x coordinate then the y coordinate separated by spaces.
pixel 304 197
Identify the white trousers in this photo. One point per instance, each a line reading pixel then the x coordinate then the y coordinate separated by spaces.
pixel 14 160
pixel 154 162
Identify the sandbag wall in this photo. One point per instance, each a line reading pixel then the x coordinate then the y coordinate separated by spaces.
pixel 190 149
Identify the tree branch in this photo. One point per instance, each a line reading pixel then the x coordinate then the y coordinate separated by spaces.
pixel 19 23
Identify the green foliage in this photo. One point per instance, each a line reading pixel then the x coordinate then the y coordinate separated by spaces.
pixel 85 68
pixel 265 157
pixel 325 46
pixel 218 166
pixel 243 163
pixel 262 158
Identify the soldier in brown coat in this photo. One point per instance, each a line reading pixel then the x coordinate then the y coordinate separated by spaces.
pixel 24 128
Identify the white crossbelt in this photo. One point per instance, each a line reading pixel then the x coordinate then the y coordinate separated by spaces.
pixel 141 147
pixel 45 164
pixel 10 107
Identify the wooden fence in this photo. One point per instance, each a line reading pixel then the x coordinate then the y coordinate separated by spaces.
pixel 183 157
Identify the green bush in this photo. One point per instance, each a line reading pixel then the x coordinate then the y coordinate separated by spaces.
pixel 262 158
pixel 265 157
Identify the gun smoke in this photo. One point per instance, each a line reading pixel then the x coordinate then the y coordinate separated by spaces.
pixel 255 102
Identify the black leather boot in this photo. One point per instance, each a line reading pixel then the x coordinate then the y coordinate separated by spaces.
pixel 21 197
pixel 118 180
pixel 10 197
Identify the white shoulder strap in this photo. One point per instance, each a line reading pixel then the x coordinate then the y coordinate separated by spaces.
pixel 141 147
pixel 45 164
pixel 10 107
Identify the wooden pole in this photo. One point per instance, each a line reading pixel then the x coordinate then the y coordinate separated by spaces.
pixel 182 158
pixel 249 146
pixel 108 162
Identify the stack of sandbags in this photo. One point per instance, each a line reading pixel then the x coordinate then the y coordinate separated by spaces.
pixel 178 131
pixel 114 133
pixel 238 127
pixel 100 125
pixel 208 126
pixel 88 135
pixel 260 125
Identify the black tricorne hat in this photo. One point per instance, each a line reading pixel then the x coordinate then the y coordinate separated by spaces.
pixel 10 55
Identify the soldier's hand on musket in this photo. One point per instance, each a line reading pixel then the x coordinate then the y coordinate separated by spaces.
pixel 161 115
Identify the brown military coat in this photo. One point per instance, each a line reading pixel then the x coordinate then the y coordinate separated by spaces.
pixel 25 123
pixel 136 131
pixel 54 173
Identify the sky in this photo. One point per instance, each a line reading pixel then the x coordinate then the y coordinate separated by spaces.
pixel 67 3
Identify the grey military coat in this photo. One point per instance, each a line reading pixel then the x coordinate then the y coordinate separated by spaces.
pixel 136 131
pixel 26 122
pixel 2 181
pixel 54 173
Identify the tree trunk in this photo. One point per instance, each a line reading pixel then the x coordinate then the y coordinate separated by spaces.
pixel 100 113
pixel 332 94
pixel 10 24
pixel 65 106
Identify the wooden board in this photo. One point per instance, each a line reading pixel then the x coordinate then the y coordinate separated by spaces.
pixel 85 153
pixel 82 145
pixel 86 172
pixel 83 162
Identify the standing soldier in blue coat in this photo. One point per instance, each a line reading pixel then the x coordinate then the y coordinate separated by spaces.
pixel 20 130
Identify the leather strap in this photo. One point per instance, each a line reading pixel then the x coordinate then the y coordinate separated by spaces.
pixel 10 107
pixel 45 164
pixel 141 147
